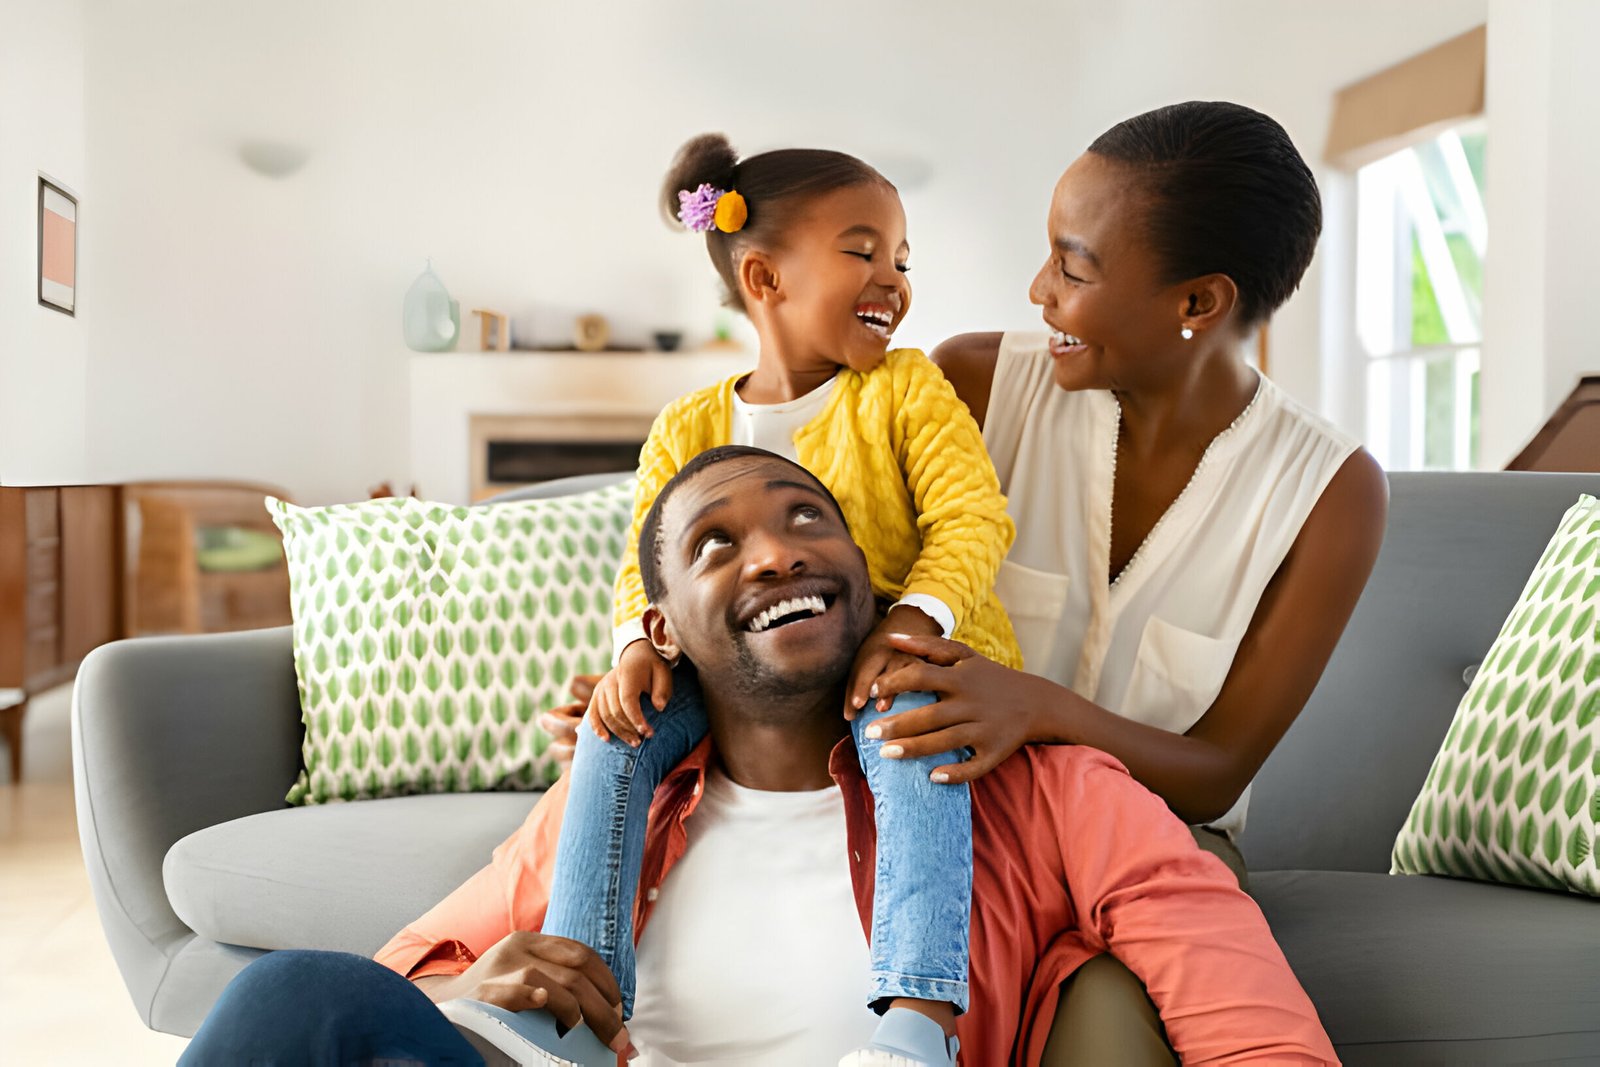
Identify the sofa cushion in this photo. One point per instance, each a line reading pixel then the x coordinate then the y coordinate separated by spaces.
pixel 1436 970
pixel 428 638
pixel 334 876
pixel 1513 795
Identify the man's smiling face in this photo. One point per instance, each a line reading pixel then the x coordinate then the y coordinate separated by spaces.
pixel 764 589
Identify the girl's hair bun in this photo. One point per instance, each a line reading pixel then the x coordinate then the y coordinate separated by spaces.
pixel 705 160
pixel 772 187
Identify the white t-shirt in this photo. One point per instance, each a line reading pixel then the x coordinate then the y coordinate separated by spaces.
pixel 755 954
pixel 1156 645
pixel 773 426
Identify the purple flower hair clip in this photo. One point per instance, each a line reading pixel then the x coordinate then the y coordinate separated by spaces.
pixel 698 210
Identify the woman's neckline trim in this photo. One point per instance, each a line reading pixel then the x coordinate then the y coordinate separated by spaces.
pixel 1217 444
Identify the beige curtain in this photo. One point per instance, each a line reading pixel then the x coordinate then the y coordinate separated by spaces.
pixel 1409 102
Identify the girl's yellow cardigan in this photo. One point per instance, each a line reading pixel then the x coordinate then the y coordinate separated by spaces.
pixel 907 463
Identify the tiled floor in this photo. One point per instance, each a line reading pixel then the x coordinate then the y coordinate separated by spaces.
pixel 61 998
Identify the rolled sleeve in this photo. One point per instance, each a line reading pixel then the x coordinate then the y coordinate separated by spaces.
pixel 932 607
pixel 511 892
pixel 624 635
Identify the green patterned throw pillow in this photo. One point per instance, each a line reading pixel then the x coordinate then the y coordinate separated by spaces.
pixel 1514 794
pixel 428 638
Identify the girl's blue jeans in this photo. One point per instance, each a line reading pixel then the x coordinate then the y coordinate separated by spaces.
pixel 923 882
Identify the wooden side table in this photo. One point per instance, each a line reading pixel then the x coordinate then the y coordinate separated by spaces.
pixel 61 590
pixel 13 705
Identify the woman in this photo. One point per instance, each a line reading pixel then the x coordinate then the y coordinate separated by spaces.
pixel 1190 541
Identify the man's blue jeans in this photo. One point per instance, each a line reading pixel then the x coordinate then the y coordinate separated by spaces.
pixel 300 1007
pixel 923 896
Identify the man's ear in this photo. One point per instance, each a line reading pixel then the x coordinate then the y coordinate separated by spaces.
pixel 1207 302
pixel 758 278
pixel 659 632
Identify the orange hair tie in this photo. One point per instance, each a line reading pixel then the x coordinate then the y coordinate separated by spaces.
pixel 731 213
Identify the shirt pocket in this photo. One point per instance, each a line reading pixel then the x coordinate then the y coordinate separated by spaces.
pixel 1177 675
pixel 1035 600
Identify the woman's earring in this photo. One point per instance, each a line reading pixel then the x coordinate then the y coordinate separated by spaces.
pixel 1188 333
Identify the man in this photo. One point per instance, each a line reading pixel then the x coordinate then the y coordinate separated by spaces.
pixel 759 864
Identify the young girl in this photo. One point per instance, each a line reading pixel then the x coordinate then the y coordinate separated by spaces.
pixel 811 246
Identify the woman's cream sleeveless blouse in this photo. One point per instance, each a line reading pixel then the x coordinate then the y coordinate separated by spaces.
pixel 1156 644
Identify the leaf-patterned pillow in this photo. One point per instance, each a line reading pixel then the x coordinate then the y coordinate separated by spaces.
pixel 1514 794
pixel 428 638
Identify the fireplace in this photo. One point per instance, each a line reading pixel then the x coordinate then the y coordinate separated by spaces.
pixel 508 451
pixel 485 422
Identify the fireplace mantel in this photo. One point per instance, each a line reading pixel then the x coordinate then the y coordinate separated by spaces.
pixel 448 388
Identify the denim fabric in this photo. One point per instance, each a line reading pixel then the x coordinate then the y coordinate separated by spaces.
pixel 922 901
pixel 601 850
pixel 302 1007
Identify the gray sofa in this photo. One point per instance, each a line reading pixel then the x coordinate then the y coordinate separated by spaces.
pixel 183 748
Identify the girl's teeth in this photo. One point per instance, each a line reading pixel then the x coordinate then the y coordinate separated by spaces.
pixel 876 321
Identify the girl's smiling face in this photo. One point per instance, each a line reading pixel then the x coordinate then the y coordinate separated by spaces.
pixel 1115 322
pixel 841 276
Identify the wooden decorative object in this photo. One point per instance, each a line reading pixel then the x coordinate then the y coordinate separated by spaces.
pixel 590 333
pixel 1570 440
pixel 494 330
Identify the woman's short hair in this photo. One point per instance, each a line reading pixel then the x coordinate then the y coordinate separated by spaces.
pixel 1228 193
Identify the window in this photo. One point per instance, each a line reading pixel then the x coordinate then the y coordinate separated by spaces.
pixel 1421 236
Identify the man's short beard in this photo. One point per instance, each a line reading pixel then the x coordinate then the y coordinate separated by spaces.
pixel 758 680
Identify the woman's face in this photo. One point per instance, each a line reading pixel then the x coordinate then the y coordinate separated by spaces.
pixel 1114 323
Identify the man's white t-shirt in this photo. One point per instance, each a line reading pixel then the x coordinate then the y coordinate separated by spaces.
pixel 755 952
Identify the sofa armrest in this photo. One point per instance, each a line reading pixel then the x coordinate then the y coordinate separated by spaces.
pixel 170 735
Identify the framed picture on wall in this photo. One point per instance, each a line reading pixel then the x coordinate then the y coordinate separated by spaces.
pixel 58 248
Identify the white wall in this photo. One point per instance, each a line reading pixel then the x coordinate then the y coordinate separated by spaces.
pixel 247 327
pixel 1540 323
pixel 43 353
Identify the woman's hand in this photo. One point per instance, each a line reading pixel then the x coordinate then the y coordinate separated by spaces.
pixel 877 656
pixel 614 708
pixel 526 970
pixel 561 723
pixel 982 706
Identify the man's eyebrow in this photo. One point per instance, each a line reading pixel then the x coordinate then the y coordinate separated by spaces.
pixel 774 484
pixel 699 516
pixel 784 483
pixel 1076 246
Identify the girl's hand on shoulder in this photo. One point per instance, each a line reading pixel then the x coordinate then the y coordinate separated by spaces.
pixel 982 706
pixel 614 709
pixel 561 723
pixel 877 656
